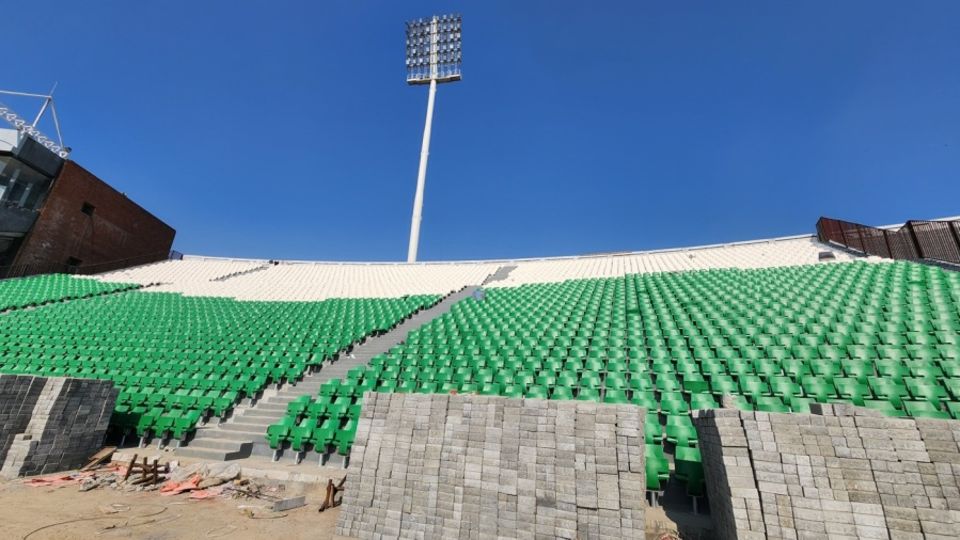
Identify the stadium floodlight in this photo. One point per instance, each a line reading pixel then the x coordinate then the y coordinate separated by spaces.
pixel 434 55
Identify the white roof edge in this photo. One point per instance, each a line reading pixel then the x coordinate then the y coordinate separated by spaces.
pixel 502 261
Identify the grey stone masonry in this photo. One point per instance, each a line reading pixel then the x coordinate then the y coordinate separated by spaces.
pixel 730 481
pixel 842 472
pixel 479 467
pixel 61 429
pixel 18 395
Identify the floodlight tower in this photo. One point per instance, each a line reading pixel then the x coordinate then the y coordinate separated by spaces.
pixel 434 55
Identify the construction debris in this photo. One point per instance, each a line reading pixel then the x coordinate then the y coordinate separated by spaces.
pixel 201 481
pixel 289 504
pixel 104 454
pixel 331 500
pixel 149 472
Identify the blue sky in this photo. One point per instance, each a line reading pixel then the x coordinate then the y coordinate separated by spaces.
pixel 286 129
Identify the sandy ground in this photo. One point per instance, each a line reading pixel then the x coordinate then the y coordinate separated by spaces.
pixel 65 513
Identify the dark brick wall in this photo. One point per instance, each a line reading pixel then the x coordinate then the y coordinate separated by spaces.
pixel 117 229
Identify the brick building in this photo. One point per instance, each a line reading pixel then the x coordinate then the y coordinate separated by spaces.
pixel 55 216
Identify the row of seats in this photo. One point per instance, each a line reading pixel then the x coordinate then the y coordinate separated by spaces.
pixel 310 282
pixel 32 291
pixel 878 335
pixel 763 254
pixel 319 281
pixel 181 271
pixel 179 359
pixel 321 422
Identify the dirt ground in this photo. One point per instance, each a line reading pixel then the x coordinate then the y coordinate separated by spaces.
pixel 65 513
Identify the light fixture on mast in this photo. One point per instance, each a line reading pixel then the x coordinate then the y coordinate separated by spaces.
pixel 434 55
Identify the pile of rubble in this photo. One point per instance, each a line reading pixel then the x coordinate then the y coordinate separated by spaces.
pixel 198 481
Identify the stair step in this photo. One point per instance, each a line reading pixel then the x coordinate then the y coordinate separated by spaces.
pixel 255 430
pixel 261 413
pixel 244 434
pixel 267 406
pixel 215 455
pixel 215 444
pixel 235 435
pixel 252 424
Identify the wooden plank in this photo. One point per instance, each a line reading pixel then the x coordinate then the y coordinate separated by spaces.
pixel 99 457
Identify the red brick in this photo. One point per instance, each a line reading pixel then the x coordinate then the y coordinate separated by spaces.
pixel 118 230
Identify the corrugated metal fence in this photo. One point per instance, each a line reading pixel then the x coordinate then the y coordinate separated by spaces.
pixel 937 240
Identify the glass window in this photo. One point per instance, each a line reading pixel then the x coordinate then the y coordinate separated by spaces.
pixel 21 186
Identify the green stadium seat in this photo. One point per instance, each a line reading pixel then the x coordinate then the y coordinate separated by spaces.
pixel 674 403
pixel 852 390
pixel 884 406
pixel 652 430
pixel 301 434
pixel 680 430
pixel 279 432
pixel 818 388
pixel 703 401
pixel 924 409
pixel 688 467
pixel 770 404
pixel 928 389
pixel 657 468
pixel 954 408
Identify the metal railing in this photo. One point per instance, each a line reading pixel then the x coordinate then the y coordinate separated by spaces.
pixel 914 240
pixel 23 270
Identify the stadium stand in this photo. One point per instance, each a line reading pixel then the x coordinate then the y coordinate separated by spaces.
pixel 37 290
pixel 180 271
pixel 179 359
pixel 318 281
pixel 763 254
pixel 884 336
pixel 774 325
pixel 309 282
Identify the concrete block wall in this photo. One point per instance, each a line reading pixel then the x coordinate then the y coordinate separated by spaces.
pixel 63 426
pixel 842 472
pixel 466 466
pixel 731 484
pixel 18 395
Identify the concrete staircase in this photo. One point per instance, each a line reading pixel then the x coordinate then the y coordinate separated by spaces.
pixel 243 434
pixel 260 268
pixel 500 274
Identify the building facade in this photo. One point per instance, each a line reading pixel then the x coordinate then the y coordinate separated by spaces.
pixel 55 216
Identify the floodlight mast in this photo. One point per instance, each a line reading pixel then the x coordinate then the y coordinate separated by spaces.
pixel 433 56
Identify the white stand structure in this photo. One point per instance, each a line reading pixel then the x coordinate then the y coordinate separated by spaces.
pixel 434 55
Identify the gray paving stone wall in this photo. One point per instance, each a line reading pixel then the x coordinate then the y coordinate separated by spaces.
pixel 842 472
pixel 18 395
pixel 466 466
pixel 64 427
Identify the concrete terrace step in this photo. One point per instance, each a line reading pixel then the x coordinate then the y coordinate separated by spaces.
pixel 502 273
pixel 258 429
pixel 251 424
pixel 261 413
pixel 243 451
pixel 243 434
pixel 226 435
pixel 267 406
pixel 219 444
